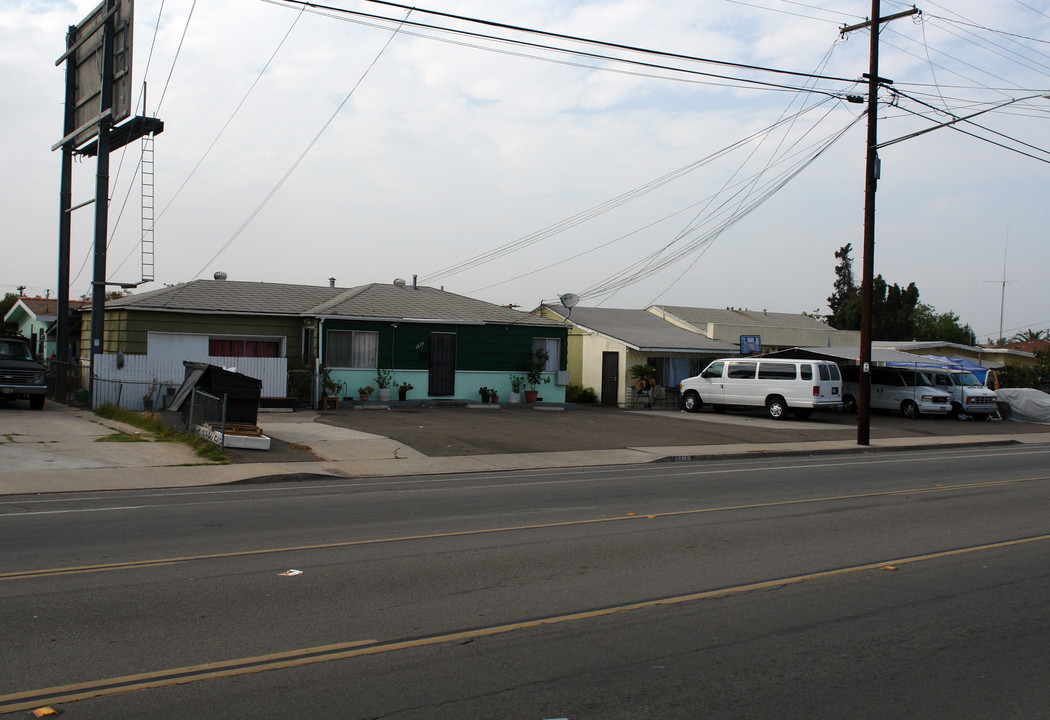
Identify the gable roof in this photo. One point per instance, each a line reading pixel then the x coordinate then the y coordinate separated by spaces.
pixel 42 309
pixel 376 301
pixel 229 297
pixel 642 330
pixel 385 301
pixel 702 316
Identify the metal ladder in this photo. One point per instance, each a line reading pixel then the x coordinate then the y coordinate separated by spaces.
pixel 147 208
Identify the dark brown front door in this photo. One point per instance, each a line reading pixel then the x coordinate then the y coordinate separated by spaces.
pixel 610 378
pixel 442 364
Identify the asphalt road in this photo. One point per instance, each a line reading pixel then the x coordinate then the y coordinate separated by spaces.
pixel 905 585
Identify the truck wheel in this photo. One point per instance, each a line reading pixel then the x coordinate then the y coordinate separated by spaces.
pixel 910 410
pixel 691 402
pixel 776 408
pixel 849 403
pixel 36 402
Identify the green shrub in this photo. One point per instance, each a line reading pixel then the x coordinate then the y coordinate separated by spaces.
pixel 580 395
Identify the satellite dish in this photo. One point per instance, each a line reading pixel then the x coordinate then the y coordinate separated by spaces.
pixel 399 282
pixel 569 300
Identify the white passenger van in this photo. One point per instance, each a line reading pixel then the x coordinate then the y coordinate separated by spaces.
pixel 968 396
pixel 780 386
pixel 905 390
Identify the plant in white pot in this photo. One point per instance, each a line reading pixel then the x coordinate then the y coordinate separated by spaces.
pixel 383 380
pixel 517 385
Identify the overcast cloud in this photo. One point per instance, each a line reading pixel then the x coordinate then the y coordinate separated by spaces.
pixel 450 148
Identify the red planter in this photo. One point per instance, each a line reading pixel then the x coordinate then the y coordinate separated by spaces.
pixel 530 395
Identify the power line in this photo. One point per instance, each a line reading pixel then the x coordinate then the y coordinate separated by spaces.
pixel 302 155
pixel 570 38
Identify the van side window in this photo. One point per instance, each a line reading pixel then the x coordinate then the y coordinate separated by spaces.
pixel 834 372
pixel 776 371
pixel 825 374
pixel 942 380
pixel 742 370
pixel 714 370
pixel 806 372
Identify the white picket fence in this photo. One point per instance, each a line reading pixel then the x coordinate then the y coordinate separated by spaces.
pixel 142 375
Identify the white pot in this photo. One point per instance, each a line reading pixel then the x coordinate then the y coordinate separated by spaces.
pixel 384 394
pixel 515 397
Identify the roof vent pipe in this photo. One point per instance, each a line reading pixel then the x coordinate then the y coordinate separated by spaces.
pixel 219 275
pixel 414 281
pixel 331 282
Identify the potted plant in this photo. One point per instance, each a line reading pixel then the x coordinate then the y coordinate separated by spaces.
pixel 365 392
pixel 517 385
pixel 534 374
pixel 485 393
pixel 329 385
pixel 383 380
pixel 495 396
pixel 644 379
pixel 402 391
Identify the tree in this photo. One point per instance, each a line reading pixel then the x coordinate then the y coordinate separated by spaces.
pixel 845 289
pixel 7 303
pixel 931 325
pixel 1030 335
pixel 896 313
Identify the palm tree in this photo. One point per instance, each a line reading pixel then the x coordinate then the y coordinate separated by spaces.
pixel 1030 335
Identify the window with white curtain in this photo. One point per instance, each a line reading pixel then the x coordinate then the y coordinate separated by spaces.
pixel 352 349
pixel 553 348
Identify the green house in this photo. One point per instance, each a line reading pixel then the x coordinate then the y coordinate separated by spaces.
pixel 442 344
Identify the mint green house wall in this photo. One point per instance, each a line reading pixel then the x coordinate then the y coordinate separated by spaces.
pixel 486 355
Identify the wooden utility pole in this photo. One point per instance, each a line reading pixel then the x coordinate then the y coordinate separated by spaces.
pixel 870 182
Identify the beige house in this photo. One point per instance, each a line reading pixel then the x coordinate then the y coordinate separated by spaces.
pixel 776 330
pixel 604 342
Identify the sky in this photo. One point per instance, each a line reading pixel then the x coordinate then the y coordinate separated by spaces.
pixel 306 145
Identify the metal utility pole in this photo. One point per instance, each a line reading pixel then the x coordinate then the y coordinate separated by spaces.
pixel 870 182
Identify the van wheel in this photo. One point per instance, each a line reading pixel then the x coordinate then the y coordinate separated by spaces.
pixel 691 402
pixel 849 403
pixel 776 408
pixel 802 414
pixel 910 410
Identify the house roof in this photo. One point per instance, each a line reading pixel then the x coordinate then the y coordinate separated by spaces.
pixel 43 309
pixel 879 356
pixel 236 297
pixel 1028 346
pixel 642 330
pixel 702 316
pixel 376 301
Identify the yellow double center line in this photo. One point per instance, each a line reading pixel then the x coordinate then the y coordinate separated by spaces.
pixel 128 565
pixel 325 653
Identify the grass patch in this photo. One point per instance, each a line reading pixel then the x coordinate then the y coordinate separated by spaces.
pixel 121 436
pixel 159 431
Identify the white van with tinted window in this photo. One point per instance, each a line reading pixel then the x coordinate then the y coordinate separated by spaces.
pixel 780 386
pixel 905 390
pixel 969 397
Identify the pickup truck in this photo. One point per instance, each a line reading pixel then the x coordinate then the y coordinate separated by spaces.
pixel 21 376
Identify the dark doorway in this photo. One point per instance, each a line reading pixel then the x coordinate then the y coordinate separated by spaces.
pixel 442 364
pixel 610 378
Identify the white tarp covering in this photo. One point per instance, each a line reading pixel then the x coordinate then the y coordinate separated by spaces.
pixel 1026 404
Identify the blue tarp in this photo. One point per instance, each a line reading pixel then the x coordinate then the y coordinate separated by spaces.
pixel 941 362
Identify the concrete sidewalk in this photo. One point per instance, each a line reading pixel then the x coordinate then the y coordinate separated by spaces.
pixel 57 450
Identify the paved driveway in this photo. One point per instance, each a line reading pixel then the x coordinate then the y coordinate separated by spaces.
pixel 452 431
